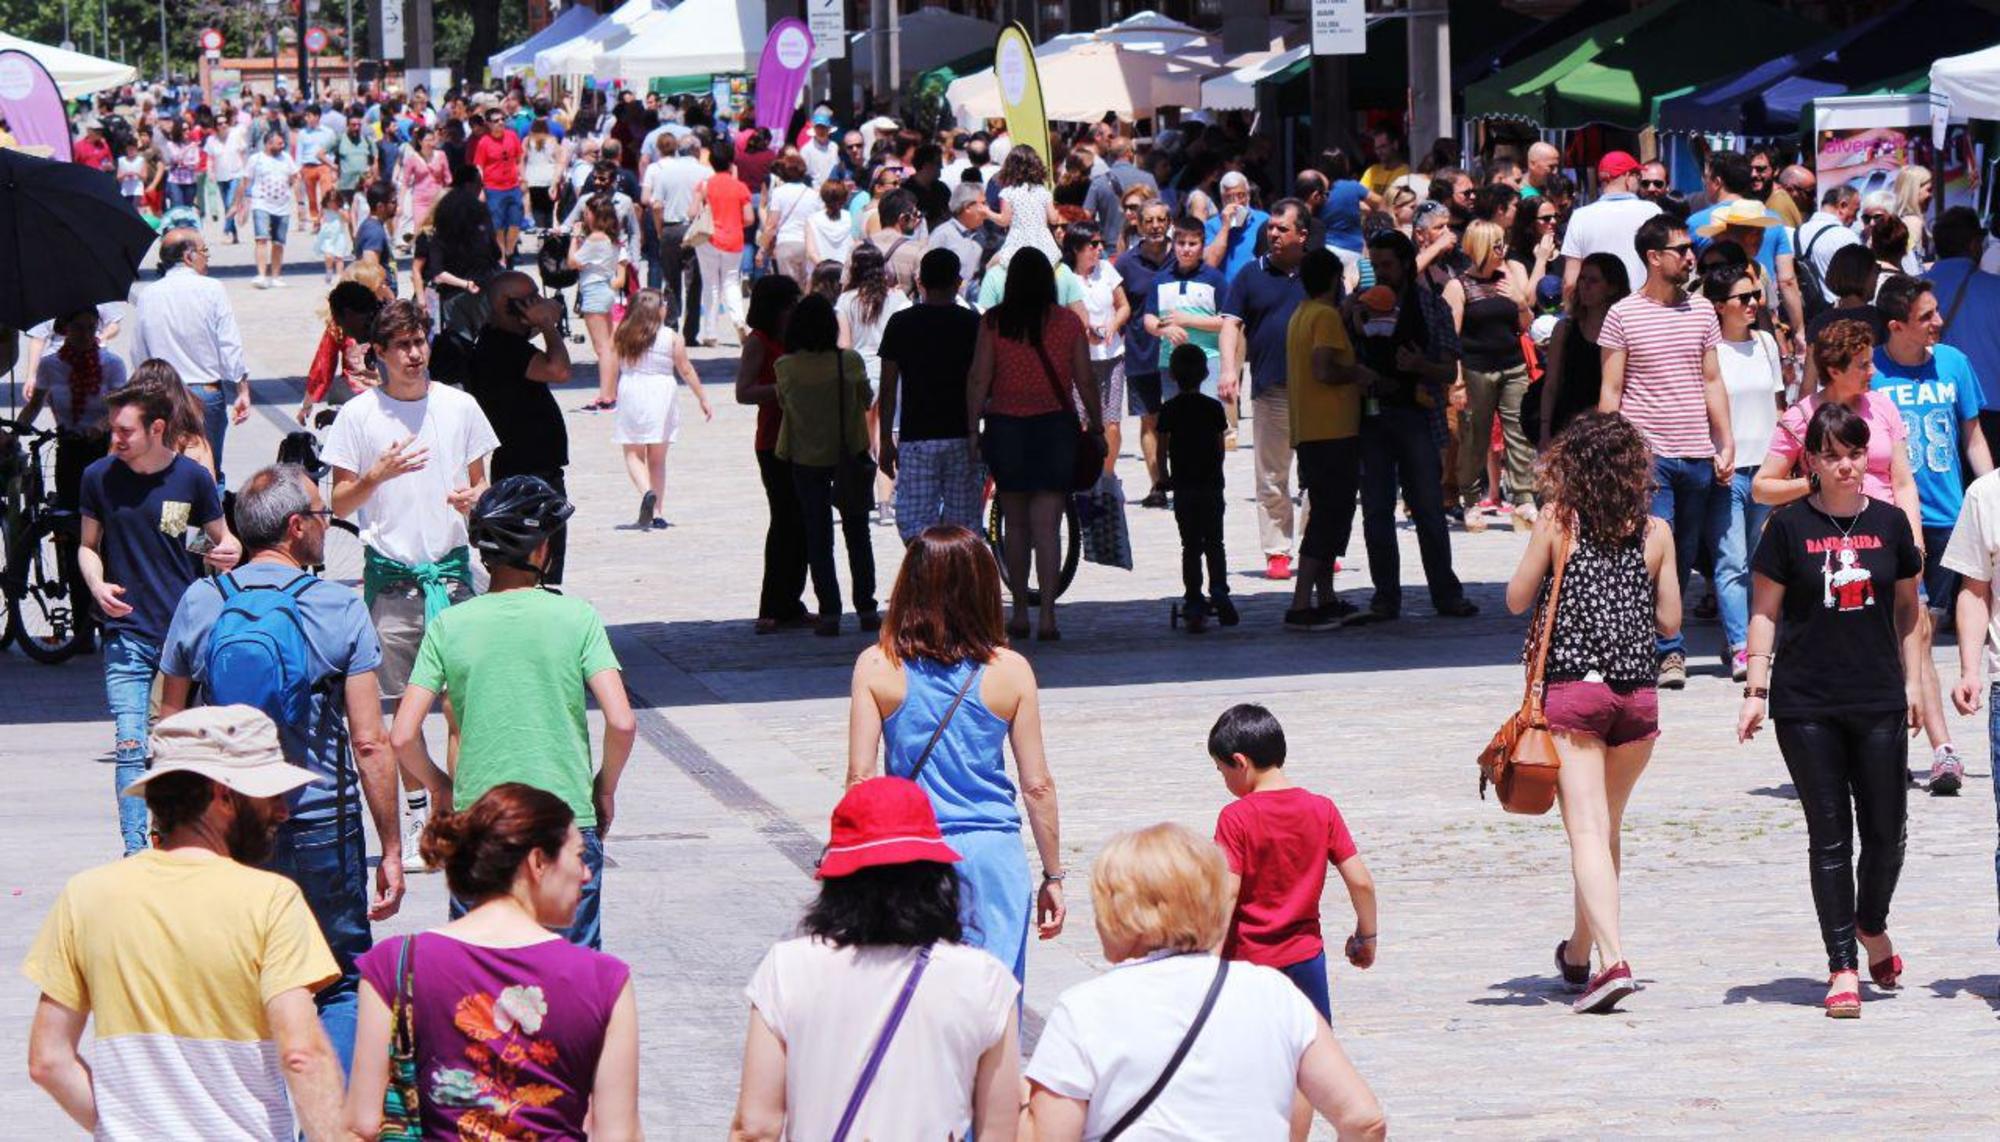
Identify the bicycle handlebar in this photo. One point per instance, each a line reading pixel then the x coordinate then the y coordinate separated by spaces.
pixel 22 428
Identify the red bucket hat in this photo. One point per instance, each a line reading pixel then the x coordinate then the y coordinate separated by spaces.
pixel 884 820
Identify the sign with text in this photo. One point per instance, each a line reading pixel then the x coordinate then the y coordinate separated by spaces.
pixel 828 21
pixel 781 74
pixel 1339 27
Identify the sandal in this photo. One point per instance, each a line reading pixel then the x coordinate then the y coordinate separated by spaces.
pixel 1887 974
pixel 1843 1004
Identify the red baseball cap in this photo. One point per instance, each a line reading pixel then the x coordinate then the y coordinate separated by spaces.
pixel 884 820
pixel 1616 164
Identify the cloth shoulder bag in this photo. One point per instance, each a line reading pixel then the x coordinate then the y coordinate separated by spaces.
pixel 1090 446
pixel 701 228
pixel 1521 762
pixel 402 1106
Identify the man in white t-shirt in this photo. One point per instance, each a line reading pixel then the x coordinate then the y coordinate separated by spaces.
pixel 821 153
pixel 409 461
pixel 1608 225
pixel 274 190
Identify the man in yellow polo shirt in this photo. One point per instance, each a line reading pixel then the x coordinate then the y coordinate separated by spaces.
pixel 198 968
pixel 1325 384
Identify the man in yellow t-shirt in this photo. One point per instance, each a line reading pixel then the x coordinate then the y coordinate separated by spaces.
pixel 1325 384
pixel 198 969
pixel 1389 164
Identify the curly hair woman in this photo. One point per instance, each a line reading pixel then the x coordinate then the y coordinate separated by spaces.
pixel 1027 208
pixel 1599 683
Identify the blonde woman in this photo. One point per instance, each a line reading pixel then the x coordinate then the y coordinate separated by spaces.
pixel 650 355
pixel 1491 317
pixel 1912 190
pixel 1162 898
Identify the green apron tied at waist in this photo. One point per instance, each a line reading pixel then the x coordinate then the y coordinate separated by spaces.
pixel 379 571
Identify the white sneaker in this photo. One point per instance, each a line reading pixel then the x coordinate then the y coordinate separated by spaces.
pixel 260 282
pixel 280 283
pixel 413 831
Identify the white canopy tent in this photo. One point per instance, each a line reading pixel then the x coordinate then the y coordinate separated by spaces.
pixel 574 21
pixel 575 55
pixel 700 37
pixel 1237 90
pixel 930 37
pixel 75 74
pixel 1084 82
pixel 1971 82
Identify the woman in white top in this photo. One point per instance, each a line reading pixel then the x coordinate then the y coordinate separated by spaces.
pixel 228 154
pixel 884 935
pixel 1027 208
pixel 650 355
pixel 829 232
pixel 1106 311
pixel 541 162
pixel 864 309
pixel 1162 897
pixel 1754 377
pixel 1912 189
pixel 789 207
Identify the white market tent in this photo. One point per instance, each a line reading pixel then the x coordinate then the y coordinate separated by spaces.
pixel 930 37
pixel 1237 90
pixel 1084 82
pixel 75 74
pixel 1971 83
pixel 574 21
pixel 700 37
pixel 575 55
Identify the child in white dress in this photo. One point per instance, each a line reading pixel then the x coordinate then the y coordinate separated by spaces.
pixel 650 355
pixel 1027 208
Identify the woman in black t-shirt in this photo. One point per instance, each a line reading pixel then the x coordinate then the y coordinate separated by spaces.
pixel 1836 589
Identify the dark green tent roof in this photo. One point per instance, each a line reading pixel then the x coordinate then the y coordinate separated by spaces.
pixel 1617 72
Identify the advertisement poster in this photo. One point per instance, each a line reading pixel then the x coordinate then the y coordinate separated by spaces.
pixel 33 106
pixel 1021 89
pixel 781 73
pixel 1864 141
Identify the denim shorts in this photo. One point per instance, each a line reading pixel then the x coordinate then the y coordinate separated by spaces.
pixel 594 296
pixel 271 227
pixel 1614 716
pixel 504 207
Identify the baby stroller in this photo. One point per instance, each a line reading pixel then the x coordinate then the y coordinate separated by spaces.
pixel 552 263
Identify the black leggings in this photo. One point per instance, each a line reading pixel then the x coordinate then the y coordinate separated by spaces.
pixel 1833 759
pixel 1198 513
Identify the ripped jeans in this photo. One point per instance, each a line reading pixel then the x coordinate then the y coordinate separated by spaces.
pixel 130 662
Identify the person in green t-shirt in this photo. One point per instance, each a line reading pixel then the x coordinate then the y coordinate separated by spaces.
pixel 514 664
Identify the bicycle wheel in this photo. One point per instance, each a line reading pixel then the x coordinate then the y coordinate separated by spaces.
pixel 341 562
pixel 1069 534
pixel 43 604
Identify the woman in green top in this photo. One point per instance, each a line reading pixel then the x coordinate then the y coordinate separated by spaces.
pixel 823 391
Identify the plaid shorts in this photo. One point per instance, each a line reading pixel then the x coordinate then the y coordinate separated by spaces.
pixel 937 482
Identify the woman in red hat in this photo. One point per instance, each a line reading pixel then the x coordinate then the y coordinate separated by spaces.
pixel 942 696
pixel 878 1021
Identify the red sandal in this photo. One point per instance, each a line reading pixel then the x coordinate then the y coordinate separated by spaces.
pixel 1887 974
pixel 1843 1004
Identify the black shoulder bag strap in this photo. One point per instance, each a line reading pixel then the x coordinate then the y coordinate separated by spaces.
pixel 1958 298
pixel 924 758
pixel 1180 1055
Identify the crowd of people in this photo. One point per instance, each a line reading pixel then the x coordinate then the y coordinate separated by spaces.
pixel 1786 389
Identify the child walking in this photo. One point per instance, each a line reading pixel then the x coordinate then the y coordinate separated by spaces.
pixel 336 233
pixel 1191 428
pixel 1279 839
pixel 650 355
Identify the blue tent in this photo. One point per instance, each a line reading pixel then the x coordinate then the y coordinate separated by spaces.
pixel 1768 100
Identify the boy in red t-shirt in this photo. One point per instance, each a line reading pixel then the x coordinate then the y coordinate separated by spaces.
pixel 1279 839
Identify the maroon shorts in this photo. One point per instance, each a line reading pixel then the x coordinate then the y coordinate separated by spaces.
pixel 1617 717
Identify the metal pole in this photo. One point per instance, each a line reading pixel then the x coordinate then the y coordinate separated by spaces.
pixel 66 40
pixel 299 49
pixel 349 50
pixel 105 9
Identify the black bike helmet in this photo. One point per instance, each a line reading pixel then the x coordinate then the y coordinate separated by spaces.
pixel 516 516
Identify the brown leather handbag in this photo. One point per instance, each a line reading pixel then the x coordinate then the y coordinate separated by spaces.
pixel 1520 762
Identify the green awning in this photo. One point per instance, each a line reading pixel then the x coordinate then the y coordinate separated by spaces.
pixel 1617 72
pixel 669 85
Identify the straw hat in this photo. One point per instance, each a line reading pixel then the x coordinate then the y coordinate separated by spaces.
pixel 1742 212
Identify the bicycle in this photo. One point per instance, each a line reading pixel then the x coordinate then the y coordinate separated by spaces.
pixel 1069 532
pixel 42 583
pixel 342 560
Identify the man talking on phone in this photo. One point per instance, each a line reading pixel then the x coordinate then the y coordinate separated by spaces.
pixel 510 379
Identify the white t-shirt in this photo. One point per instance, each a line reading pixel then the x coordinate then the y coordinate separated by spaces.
pixel 1108 1040
pixel 866 337
pixel 1608 226
pixel 828 1004
pixel 792 203
pixel 409 519
pixel 271 182
pixel 131 175
pixel 1751 373
pixel 1099 288
pixel 833 238
pixel 1974 552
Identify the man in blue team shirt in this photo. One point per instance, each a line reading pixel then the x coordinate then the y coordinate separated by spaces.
pixel 1937 392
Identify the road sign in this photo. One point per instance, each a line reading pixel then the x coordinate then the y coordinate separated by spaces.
pixel 828 21
pixel 315 40
pixel 211 40
pixel 1339 27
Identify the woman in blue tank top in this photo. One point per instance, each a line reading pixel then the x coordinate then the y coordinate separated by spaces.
pixel 941 695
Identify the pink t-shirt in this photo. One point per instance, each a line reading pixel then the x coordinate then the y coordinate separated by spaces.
pixel 1886 434
pixel 1664 345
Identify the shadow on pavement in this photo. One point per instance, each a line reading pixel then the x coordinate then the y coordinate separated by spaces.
pixel 1796 991
pixel 1986 987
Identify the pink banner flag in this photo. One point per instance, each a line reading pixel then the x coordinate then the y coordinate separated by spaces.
pixel 781 74
pixel 32 105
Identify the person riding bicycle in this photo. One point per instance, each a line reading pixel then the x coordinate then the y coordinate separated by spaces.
pixel 516 663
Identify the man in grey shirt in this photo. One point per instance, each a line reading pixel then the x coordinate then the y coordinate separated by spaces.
pixel 961 233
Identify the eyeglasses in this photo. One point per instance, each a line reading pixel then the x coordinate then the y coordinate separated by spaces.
pixel 1652 184
pixel 1751 298
pixel 320 513
pixel 1547 219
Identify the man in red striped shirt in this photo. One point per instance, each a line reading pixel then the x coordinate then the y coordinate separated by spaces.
pixel 1661 371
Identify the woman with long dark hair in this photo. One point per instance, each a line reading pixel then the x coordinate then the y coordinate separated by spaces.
pixel 823 395
pixel 425 175
pixel 941 695
pixel 515 1029
pixel 463 251
pixel 772 300
pixel 1030 371
pixel 1600 680
pixel 1835 597
pixel 863 309
pixel 1575 367
pixel 880 958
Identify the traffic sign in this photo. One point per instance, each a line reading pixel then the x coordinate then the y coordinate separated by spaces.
pixel 315 40
pixel 211 40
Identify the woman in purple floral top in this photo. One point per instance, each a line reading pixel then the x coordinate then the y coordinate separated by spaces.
pixel 519 1033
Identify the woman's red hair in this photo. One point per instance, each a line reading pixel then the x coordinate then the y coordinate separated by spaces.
pixel 946 603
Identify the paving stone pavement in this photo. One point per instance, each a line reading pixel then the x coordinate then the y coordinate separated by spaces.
pixel 1458 1027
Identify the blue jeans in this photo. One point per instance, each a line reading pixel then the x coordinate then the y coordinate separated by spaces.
pixel 1681 495
pixel 1735 523
pixel 331 869
pixel 229 188
pixel 1309 976
pixel 129 665
pixel 214 422
pixel 586 930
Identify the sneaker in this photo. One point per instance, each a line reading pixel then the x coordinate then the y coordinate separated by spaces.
pixel 1459 608
pixel 280 283
pixel 1674 671
pixel 1278 567
pixel 1308 619
pixel 1339 612
pixel 1739 666
pixel 260 282
pixel 1575 977
pixel 1225 610
pixel 1157 498
pixel 1605 990
pixel 413 831
pixel 1947 772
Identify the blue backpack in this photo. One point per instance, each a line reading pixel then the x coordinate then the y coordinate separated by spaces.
pixel 258 654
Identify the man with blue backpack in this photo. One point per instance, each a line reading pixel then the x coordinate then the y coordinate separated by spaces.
pixel 272 635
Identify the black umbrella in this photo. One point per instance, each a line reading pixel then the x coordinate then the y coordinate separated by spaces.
pixel 68 239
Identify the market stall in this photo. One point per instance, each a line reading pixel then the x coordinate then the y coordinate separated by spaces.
pixel 520 58
pixel 697 39
pixel 75 74
pixel 576 55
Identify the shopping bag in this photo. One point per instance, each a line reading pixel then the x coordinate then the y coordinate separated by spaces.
pixel 1100 517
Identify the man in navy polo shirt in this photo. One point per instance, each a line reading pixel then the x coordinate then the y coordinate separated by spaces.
pixel 1137 267
pixel 1255 313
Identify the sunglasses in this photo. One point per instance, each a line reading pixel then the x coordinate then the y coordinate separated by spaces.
pixel 1751 298
pixel 1877 216
pixel 1546 219
pixel 1681 250
pixel 1653 184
